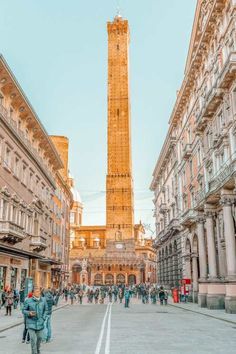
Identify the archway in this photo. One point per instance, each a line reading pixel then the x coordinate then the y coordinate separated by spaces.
pixel 76 269
pixel 132 279
pixel 109 279
pixel 98 279
pixel 120 279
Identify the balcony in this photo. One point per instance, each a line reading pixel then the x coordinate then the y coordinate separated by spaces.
pixel 174 224
pixel 222 175
pixel 11 232
pixel 188 217
pixel 187 151
pixel 38 243
pixel 163 208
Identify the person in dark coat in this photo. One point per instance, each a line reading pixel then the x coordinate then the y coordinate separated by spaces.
pixel 161 295
pixel 9 299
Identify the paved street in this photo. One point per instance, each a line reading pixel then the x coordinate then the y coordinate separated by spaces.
pixel 94 329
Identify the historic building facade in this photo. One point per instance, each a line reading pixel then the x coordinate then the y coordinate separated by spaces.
pixel 63 202
pixel 118 251
pixel 29 165
pixel 202 140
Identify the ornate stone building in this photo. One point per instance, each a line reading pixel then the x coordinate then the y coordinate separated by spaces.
pixel 117 252
pixel 202 128
pixel 29 180
pixel 63 202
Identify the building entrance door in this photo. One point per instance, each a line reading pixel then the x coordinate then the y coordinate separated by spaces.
pixel 13 278
pixel 2 277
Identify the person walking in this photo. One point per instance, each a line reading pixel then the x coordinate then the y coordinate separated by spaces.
pixel 115 292
pixel 9 300
pixel 72 296
pixel 96 296
pixel 165 297
pixel 161 295
pixel 35 310
pixel 80 296
pixel 25 336
pixel 127 297
pixel 47 324
pixel 120 295
pixel 110 294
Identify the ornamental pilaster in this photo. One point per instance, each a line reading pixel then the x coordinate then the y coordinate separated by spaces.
pixel 211 246
pixel 202 247
pixel 229 234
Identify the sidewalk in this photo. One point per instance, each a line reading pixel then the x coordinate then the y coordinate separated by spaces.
pixel 16 319
pixel 217 314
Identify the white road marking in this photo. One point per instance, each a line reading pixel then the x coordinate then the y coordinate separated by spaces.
pixel 99 343
pixel 107 347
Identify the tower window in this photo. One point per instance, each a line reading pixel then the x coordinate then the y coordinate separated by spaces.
pixel 117 47
pixel 118 111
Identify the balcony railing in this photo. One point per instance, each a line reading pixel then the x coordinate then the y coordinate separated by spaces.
pixel 188 217
pixel 174 224
pixel 221 176
pixel 38 243
pixel 21 136
pixel 11 232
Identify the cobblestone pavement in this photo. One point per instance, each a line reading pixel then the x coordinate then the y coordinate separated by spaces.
pixel 140 329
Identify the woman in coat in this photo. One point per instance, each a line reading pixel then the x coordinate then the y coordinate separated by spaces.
pixel 9 302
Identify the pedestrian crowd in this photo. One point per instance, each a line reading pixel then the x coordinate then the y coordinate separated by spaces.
pixel 115 293
pixel 37 306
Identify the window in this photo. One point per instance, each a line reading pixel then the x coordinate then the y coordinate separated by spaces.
pixel 24 174
pixel 7 157
pixel 17 167
pixel 72 217
pixel 117 47
pixel 1 99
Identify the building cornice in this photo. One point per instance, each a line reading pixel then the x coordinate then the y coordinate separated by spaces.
pixel 8 82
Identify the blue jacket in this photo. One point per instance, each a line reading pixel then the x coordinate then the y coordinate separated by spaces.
pixel 40 308
pixel 50 302
pixel 127 294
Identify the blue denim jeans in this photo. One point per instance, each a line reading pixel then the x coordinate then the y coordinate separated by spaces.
pixel 126 302
pixel 47 328
pixel 35 340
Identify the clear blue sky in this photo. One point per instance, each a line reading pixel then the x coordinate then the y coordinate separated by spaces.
pixel 58 51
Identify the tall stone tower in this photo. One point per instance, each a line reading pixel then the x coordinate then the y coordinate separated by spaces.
pixel 119 183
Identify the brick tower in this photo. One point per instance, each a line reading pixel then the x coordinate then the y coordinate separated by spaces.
pixel 119 183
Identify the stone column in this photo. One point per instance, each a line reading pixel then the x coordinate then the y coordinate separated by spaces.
pixel 195 276
pixel 215 289
pixel 221 261
pixel 229 237
pixel 126 278
pixel 211 247
pixel 202 249
pixel 230 248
